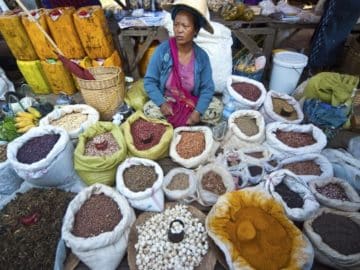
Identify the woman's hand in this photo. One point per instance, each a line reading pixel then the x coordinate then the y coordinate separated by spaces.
pixel 166 109
pixel 193 119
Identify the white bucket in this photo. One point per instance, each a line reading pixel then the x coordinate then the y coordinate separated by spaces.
pixel 286 71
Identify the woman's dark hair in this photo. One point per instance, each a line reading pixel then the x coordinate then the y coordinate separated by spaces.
pixel 198 18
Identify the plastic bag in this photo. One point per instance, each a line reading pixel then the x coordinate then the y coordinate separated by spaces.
pixel 5 85
pixel 9 180
pixel 136 96
pixel 267 7
pixel 354 147
pixel 106 250
pixel 183 195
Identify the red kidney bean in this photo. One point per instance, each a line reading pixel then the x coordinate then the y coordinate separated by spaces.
pixel 247 90
pixel 146 134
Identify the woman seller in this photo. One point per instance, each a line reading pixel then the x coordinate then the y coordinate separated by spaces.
pixel 178 79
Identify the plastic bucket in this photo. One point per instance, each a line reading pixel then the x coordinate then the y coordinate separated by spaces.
pixel 286 71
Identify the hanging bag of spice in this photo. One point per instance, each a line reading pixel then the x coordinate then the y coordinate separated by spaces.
pixel 101 148
pixel 336 193
pixel 293 193
pixel 335 236
pixel 287 140
pixel 104 250
pixel 180 185
pixel 140 181
pixel 280 107
pixel 308 167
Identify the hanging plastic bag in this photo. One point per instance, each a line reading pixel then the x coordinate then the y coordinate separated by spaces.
pixel 136 96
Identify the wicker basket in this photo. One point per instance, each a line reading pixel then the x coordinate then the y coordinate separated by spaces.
pixel 106 92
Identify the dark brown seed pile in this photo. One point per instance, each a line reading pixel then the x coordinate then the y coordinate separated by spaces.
pixel 211 181
pixel 333 191
pixel 306 167
pixel 146 134
pixel 179 181
pixel 255 154
pixel 291 198
pixel 191 144
pixel 97 215
pixel 295 139
pixel 247 90
pixel 247 125
pixel 139 177
pixel 284 109
pixel 255 170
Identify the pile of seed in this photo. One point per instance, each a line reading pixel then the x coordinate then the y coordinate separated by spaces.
pixel 211 181
pixel 139 177
pixel 247 90
pixel 295 139
pixel 3 153
pixel 247 125
pixel 291 198
pixel 255 170
pixel 333 191
pixel 306 167
pixel 97 215
pixel 37 148
pixel 70 121
pixel 179 181
pixel 255 154
pixel 284 109
pixel 111 145
pixel 146 134
pixel 191 144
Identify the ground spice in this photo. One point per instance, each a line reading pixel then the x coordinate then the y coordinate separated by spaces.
pixel 306 167
pixel 179 181
pixel 3 153
pixel 108 143
pixel 191 144
pixel 70 121
pixel 291 198
pixel 211 181
pixel 30 228
pixel 146 134
pixel 247 90
pixel 295 139
pixel 333 191
pixel 284 109
pixel 255 154
pixel 97 215
pixel 247 125
pixel 37 148
pixel 139 177
pixel 343 235
pixel 257 236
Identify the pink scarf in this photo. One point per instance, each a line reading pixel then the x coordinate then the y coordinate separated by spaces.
pixel 185 102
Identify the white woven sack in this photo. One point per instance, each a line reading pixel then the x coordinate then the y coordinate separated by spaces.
pixel 93 117
pixel 9 180
pixel 242 103
pixel 56 169
pixel 206 197
pixel 267 110
pixel 282 150
pixel 106 250
pixel 325 166
pixel 256 178
pixel 258 148
pixel 185 195
pixel 324 253
pixel 229 159
pixel 294 183
pixel 151 199
pixel 257 138
pixel 195 161
pixel 351 206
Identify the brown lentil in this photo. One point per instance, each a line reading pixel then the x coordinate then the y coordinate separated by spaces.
pixel 211 181
pixel 284 109
pixel 97 215
pixel 70 121
pixel 191 144
pixel 255 154
pixel 139 177
pixel 338 232
pixel 247 90
pixel 333 191
pixel 295 139
pixel 247 125
pixel 291 198
pixel 3 153
pixel 179 181
pixel 111 145
pixel 146 134
pixel 306 167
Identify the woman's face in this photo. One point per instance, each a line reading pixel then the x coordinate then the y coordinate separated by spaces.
pixel 184 27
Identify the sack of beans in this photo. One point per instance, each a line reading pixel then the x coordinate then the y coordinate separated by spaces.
pixel 345 166
pixel 309 167
pixel 96 226
pixel 248 93
pixel 43 156
pixel 213 181
pixel 336 193
pixel 101 148
pixel 232 160
pixel 247 125
pixel 293 193
pixel 256 154
pixel 286 140
pixel 140 181
pixel 280 107
pixel 191 146
pixel 335 236
pixel 180 185
pixel 253 172
pixel 73 118
pixel 147 138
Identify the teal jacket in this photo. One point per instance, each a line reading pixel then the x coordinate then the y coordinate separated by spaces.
pixel 159 69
